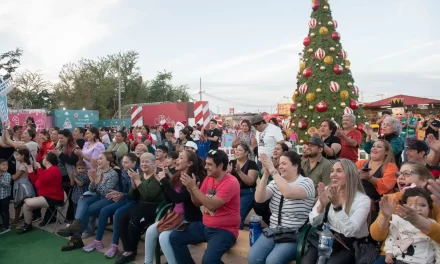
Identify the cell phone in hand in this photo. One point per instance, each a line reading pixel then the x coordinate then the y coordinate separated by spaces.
pixel 366 169
pixel 182 227
pixel 159 170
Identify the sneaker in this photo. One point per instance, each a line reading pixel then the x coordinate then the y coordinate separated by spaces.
pixel 94 245
pixel 4 230
pixel 24 229
pixel 125 259
pixel 74 243
pixel 85 235
pixel 112 252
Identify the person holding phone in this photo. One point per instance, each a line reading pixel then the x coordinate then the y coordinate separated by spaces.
pixel 378 172
pixel 177 194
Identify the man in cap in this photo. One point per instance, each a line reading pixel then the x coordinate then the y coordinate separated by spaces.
pixel 267 136
pixel 316 167
pixel 417 151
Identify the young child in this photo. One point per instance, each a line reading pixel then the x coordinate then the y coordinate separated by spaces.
pixel 407 244
pixel 170 167
pixel 80 182
pixel 5 191
pixel 22 185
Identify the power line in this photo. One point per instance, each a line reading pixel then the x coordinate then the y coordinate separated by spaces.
pixel 234 102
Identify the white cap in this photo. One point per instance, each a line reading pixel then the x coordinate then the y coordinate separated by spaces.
pixel 191 144
pixel 288 144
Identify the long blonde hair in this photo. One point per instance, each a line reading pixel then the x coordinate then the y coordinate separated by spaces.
pixel 389 155
pixel 353 182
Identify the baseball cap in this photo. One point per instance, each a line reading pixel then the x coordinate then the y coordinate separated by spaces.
pixel 432 113
pixel 317 141
pixel 418 145
pixel 191 144
pixel 256 119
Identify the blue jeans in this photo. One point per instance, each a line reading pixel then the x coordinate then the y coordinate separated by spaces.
pixel 266 251
pixel 93 209
pixel 164 241
pixel 380 260
pixel 246 203
pixel 117 209
pixel 83 205
pixel 219 241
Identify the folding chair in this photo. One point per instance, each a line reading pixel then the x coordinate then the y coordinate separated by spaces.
pixel 58 210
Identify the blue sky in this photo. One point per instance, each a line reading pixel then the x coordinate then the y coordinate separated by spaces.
pixel 246 52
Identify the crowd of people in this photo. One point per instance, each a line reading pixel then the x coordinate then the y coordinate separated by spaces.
pixel 388 201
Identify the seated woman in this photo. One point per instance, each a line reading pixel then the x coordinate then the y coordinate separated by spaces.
pixel 139 151
pixel 415 174
pixel 50 191
pixel 289 193
pixel 246 172
pixel 333 145
pixel 346 208
pixel 378 173
pixel 148 193
pixel 103 179
pixel 279 150
pixel 179 196
pixel 119 146
pixel 121 203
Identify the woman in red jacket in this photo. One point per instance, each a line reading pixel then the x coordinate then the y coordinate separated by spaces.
pixel 50 191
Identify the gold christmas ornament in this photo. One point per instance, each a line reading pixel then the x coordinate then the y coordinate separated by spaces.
pixel 302 65
pixel 330 23
pixel 318 90
pixel 328 60
pixel 310 50
pixel 294 97
pixel 347 64
pixel 344 95
pixel 296 92
pixel 311 107
pixel 325 7
pixel 323 31
pixel 343 105
pixel 332 49
pixel 298 105
pixel 350 84
pixel 322 68
pixel 310 97
pixel 312 35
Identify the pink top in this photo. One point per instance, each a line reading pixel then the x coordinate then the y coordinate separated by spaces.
pixel 293 136
pixel 178 208
pixel 93 151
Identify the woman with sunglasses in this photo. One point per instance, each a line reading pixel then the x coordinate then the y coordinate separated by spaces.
pixel 417 175
pixel 246 172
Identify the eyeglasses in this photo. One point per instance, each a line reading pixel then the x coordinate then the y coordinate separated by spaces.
pixel 405 174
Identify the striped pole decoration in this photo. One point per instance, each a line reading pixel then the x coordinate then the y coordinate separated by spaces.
pixel 201 113
pixel 136 116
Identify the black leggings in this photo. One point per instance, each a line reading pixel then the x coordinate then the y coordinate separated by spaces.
pixel 133 223
pixel 342 256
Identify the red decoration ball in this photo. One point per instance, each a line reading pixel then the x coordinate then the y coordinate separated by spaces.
pixel 325 38
pixel 338 69
pixel 316 5
pixel 302 124
pixel 292 107
pixel 306 41
pixel 336 36
pixel 354 104
pixel 334 98
pixel 307 72
pixel 321 106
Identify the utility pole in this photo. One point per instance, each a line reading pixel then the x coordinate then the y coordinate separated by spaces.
pixel 218 109
pixel 119 90
pixel 200 89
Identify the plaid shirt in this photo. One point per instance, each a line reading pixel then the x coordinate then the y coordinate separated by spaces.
pixel 5 185
pixel 80 190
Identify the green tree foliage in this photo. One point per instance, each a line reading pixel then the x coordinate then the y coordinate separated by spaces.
pixel 93 84
pixel 31 91
pixel 9 62
pixel 324 79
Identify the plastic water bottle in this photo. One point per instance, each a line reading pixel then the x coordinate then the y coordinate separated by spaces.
pixel 254 228
pixel 325 245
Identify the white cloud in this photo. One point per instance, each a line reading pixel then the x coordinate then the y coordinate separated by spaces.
pixel 407 50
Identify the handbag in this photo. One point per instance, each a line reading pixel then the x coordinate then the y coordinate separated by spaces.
pixel 280 234
pixel 170 221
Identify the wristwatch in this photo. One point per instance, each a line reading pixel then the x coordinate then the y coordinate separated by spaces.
pixel 337 208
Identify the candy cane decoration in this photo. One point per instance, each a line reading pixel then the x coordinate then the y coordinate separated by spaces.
pixel 320 54
pixel 355 90
pixel 334 87
pixel 348 111
pixel 312 23
pixel 303 88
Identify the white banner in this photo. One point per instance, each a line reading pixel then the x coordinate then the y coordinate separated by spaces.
pixel 3 108
pixel 6 87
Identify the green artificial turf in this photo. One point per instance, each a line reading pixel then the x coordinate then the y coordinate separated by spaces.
pixel 40 247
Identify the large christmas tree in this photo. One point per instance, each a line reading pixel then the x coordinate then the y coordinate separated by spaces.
pixel 325 87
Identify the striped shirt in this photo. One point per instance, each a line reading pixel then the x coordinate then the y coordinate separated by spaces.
pixel 294 212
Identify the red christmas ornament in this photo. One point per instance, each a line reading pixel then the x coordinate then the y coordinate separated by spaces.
pixel 316 5
pixel 292 107
pixel 313 76
pixel 338 69
pixel 302 124
pixel 321 106
pixel 354 104
pixel 325 38
pixel 336 36
pixel 307 72
pixel 306 41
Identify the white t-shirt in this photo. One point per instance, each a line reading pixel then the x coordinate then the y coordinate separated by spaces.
pixel 154 137
pixel 106 139
pixel 294 212
pixel 32 147
pixel 196 134
pixel 267 140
